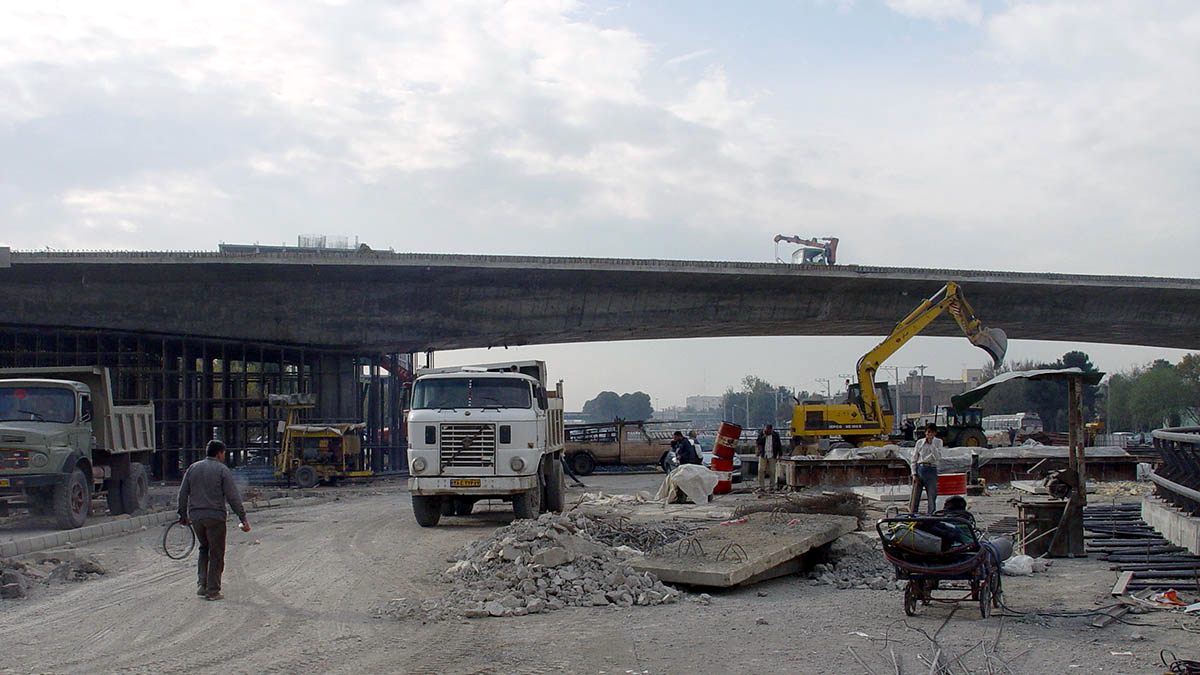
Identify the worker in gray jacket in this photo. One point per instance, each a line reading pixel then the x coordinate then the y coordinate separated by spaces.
pixel 207 486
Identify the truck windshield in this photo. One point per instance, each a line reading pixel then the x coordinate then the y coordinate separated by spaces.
pixel 38 404
pixel 471 392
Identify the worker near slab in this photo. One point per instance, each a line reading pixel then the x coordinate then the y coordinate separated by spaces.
pixel 769 450
pixel 685 452
pixel 207 486
pixel 926 455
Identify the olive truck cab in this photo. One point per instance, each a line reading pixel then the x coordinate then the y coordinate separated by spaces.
pixel 492 431
pixel 62 441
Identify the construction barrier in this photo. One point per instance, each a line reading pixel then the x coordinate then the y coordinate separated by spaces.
pixel 725 446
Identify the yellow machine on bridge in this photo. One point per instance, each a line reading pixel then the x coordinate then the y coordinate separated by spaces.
pixel 866 418
pixel 313 452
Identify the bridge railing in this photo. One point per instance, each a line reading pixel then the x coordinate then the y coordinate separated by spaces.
pixel 1177 479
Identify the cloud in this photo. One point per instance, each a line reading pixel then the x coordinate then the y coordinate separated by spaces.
pixel 939 10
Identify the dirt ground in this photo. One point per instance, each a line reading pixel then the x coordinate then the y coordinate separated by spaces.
pixel 305 589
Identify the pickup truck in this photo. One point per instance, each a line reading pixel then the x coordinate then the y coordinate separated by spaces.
pixel 617 442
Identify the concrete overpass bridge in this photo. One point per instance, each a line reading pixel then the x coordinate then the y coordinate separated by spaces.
pixel 369 302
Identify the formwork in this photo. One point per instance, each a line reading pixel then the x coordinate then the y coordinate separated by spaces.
pixel 207 388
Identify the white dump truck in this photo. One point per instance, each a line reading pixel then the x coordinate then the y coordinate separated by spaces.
pixel 492 431
pixel 62 441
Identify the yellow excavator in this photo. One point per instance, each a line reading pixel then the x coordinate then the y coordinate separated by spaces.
pixel 866 417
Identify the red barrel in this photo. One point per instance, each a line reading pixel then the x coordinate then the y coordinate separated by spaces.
pixel 725 446
pixel 722 464
pixel 952 484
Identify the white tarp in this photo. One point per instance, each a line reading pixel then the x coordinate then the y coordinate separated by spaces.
pixel 690 481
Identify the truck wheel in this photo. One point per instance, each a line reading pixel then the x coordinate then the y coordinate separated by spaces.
pixel 305 476
pixel 664 463
pixel 113 494
pixel 583 464
pixel 463 506
pixel 972 438
pixel 72 500
pixel 135 489
pixel 528 504
pixel 556 489
pixel 428 510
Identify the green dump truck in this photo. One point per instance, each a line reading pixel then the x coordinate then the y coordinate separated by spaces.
pixel 62 441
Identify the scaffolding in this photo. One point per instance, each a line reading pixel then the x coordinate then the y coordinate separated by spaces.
pixel 205 388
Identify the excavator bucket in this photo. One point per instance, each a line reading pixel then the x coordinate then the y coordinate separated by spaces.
pixel 994 342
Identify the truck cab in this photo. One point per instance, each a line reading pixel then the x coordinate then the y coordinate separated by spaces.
pixel 480 432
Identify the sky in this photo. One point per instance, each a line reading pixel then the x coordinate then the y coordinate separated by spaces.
pixel 1049 136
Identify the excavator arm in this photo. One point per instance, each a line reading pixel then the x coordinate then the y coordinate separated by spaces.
pixel 950 297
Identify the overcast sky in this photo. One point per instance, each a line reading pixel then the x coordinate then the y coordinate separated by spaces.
pixel 1058 136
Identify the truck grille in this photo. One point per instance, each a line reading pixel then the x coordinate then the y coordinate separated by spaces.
pixel 14 459
pixel 467 445
pixel 11 438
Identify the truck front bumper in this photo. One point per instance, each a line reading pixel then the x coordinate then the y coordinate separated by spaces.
pixel 16 482
pixel 471 485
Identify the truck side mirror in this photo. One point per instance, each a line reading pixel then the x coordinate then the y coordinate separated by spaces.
pixel 85 410
pixel 541 399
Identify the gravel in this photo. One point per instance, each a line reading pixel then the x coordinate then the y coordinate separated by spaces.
pixel 543 565
pixel 18 578
pixel 856 560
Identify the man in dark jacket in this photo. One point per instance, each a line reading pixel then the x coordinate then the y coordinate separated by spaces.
pixel 207 486
pixel 769 449
pixel 685 453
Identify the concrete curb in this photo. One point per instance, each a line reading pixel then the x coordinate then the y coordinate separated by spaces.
pixel 113 528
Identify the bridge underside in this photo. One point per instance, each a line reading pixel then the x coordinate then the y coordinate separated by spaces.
pixel 370 302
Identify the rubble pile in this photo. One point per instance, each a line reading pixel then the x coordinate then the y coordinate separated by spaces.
pixel 18 578
pixel 856 560
pixel 547 564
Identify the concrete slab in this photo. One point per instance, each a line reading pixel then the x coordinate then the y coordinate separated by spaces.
pixel 764 541
pixel 1176 526
pixel 884 493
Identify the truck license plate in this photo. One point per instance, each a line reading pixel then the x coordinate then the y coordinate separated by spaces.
pixel 465 482
pixel 3 482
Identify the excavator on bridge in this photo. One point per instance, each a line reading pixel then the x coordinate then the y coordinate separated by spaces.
pixel 867 416
pixel 815 251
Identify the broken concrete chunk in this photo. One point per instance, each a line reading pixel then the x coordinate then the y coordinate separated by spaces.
pixel 552 557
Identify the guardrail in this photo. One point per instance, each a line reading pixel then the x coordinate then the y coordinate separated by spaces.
pixel 1178 477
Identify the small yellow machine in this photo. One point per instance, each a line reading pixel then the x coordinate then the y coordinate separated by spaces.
pixel 866 417
pixel 313 452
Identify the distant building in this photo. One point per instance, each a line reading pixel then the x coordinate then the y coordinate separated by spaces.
pixel 703 403
pixel 972 376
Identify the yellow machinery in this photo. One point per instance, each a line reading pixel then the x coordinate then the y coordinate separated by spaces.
pixel 313 452
pixel 866 417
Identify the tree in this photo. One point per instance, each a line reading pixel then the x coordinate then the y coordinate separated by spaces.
pixel 1151 397
pixel 608 406
pixel 768 404
pixel 1189 370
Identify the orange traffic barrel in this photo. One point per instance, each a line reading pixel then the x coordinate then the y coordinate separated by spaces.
pixel 725 446
pixel 952 484
pixel 721 464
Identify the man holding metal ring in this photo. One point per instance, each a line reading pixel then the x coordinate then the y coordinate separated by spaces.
pixel 926 455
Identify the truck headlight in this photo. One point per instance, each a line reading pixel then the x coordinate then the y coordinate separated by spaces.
pixel 516 464
pixel 39 459
pixel 418 465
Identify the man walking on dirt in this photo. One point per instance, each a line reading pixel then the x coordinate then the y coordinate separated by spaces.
pixel 207 486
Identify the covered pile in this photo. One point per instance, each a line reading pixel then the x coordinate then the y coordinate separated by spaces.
pixel 550 563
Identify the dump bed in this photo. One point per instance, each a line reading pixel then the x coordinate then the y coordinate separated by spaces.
pixel 117 428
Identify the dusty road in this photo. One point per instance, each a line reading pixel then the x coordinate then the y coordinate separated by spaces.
pixel 303 589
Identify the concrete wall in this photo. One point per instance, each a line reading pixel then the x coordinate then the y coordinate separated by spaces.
pixel 373 302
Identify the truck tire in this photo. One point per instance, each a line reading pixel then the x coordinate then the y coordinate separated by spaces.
pixel 972 438
pixel 582 463
pixel 305 476
pixel 135 489
pixel 72 500
pixel 556 488
pixel 114 495
pixel 528 504
pixel 664 462
pixel 428 510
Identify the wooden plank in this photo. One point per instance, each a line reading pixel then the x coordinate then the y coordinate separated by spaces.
pixel 1116 613
pixel 1123 580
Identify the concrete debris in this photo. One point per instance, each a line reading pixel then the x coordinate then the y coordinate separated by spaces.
pixel 17 577
pixel 535 566
pixel 856 560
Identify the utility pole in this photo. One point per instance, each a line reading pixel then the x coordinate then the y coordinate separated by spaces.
pixel 747 410
pixel 828 395
pixel 922 367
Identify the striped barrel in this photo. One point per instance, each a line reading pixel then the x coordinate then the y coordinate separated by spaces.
pixel 725 446
pixel 724 470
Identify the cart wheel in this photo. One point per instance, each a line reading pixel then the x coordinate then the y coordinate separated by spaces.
pixel 910 598
pixel 985 600
pixel 997 591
